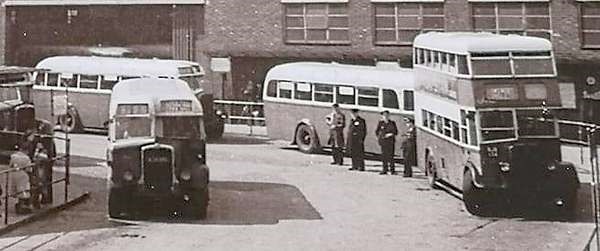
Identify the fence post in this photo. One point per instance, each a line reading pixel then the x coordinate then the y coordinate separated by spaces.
pixel 6 192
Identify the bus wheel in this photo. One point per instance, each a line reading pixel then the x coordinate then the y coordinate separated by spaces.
pixel 432 176
pixel 69 122
pixel 473 197
pixel 306 139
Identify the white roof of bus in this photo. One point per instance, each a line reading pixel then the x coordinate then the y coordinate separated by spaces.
pixel 111 66
pixel 147 90
pixel 334 73
pixel 466 42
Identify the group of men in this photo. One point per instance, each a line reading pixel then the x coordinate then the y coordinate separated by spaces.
pixel 386 133
pixel 31 184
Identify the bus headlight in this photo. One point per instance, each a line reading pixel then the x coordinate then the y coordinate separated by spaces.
pixel 551 167
pixel 504 166
pixel 185 175
pixel 128 176
pixel 219 112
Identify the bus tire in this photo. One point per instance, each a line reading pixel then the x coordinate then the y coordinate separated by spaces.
pixel 306 139
pixel 473 197
pixel 70 122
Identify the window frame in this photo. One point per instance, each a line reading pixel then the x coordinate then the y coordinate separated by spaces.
pixel 397 24
pixel 523 30
pixel 305 28
pixel 583 31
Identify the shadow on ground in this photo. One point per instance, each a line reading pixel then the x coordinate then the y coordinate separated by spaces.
pixel 232 203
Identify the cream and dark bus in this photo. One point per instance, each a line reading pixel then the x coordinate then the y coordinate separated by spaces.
pixel 90 79
pixel 156 152
pixel 484 111
pixel 298 97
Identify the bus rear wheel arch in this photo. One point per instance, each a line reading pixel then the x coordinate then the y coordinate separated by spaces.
pixel 306 139
pixel 70 122
pixel 476 200
pixel 430 169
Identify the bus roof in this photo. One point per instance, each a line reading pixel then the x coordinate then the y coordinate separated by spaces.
pixel 113 66
pixel 151 91
pixel 467 42
pixel 334 73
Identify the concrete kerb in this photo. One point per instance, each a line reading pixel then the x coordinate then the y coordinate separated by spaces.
pixel 44 213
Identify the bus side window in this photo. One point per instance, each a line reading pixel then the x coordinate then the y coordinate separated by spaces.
pixel 472 129
pixel 452 63
pixel 285 89
pixel 68 80
pixel 409 100
pixel 346 95
pixel 368 96
pixel 390 99
pixel 88 81
pixel 323 93
pixel 40 78
pixel 421 56
pixel 303 91
pixel 52 79
pixel 107 82
pixel 463 67
pixel 272 88
pixel 425 118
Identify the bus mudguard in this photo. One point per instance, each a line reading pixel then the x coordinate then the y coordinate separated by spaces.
pixel 474 173
pixel 304 122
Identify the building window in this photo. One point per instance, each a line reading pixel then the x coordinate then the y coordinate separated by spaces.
pixel 590 25
pixel 400 23
pixel 316 23
pixel 529 19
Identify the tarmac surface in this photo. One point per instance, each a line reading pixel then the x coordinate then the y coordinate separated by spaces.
pixel 267 196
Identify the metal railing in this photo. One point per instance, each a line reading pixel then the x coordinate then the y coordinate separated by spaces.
pixel 242 112
pixel 8 171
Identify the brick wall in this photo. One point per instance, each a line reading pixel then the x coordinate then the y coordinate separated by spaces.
pixel 256 30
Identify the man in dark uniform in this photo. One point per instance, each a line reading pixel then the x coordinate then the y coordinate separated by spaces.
pixel 386 135
pixel 356 141
pixel 336 122
pixel 409 147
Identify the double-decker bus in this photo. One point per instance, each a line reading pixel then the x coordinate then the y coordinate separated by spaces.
pixel 483 109
pixel 298 96
pixel 90 80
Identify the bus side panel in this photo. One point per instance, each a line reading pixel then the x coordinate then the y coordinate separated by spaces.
pixel 449 159
pixel 92 107
pixel 41 99
pixel 282 119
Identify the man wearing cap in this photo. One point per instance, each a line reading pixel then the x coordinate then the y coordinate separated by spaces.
pixel 356 140
pixel 336 122
pixel 386 135
pixel 409 147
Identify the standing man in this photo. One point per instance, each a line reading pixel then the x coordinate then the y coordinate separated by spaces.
pixel 336 122
pixel 356 140
pixel 386 134
pixel 409 147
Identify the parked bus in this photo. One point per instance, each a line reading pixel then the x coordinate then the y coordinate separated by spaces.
pixel 483 109
pixel 90 81
pixel 298 96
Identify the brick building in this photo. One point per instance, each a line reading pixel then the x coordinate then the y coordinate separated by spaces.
pixel 257 34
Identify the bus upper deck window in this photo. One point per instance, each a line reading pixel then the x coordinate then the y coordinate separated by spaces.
pixel 409 100
pixel 491 64
pixel 390 99
pixel 303 91
pixel 52 79
pixel 463 67
pixel 68 80
pixel 368 96
pixel 88 81
pixel 272 88
pixel 323 93
pixel 345 95
pixel 421 56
